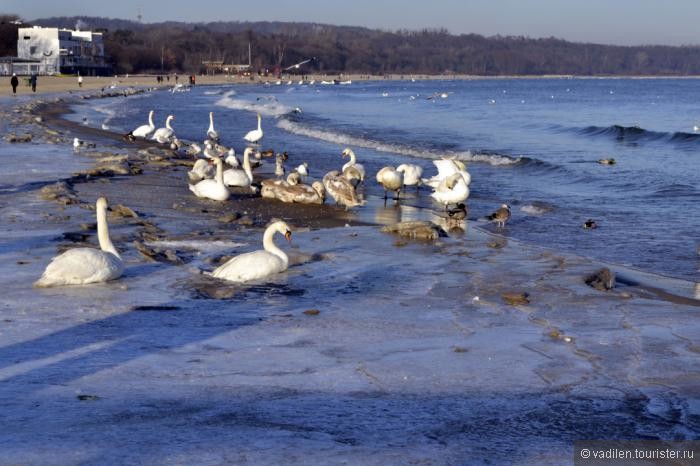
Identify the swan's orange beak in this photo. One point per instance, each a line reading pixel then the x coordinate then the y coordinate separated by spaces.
pixel 288 236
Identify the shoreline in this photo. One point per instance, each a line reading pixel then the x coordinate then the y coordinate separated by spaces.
pixel 69 84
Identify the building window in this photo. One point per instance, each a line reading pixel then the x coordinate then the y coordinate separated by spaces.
pixel 27 37
pixel 32 50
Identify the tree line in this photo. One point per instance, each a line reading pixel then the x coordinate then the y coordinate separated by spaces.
pixel 135 47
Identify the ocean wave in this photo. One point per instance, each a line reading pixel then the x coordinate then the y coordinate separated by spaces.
pixel 637 134
pixel 198 245
pixel 349 140
pixel 266 107
pixel 536 208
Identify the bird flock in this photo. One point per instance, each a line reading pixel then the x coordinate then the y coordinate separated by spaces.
pixel 217 169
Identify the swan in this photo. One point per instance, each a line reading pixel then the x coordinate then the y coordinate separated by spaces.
pixel 257 264
pixel 411 174
pixel 240 177
pixel 391 180
pixel 163 135
pixel 447 167
pixel 279 167
pixel 193 150
pixel 145 131
pixel 451 190
pixel 500 216
pixel 81 266
pixel 303 169
pixel 231 159
pixel 213 189
pixel 255 135
pixel 202 170
pixel 353 163
pixel 211 132
pixel 341 189
pixel 292 191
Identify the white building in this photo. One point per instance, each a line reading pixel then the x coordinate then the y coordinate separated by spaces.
pixel 63 50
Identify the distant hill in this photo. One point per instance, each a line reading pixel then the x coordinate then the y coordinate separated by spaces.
pixel 136 47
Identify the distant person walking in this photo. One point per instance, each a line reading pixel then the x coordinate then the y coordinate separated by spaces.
pixel 80 81
pixel 14 82
pixel 32 81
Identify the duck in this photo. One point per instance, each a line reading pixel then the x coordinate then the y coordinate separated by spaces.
pixel 211 132
pixel 411 174
pixel 391 180
pixel 458 213
pixel 79 143
pixel 240 177
pixel 258 264
pixel 145 131
pixel 214 189
pixel 81 266
pixel 590 224
pixel 341 189
pixel 359 168
pixel 163 135
pixel 255 135
pixel 451 190
pixel 610 161
pixel 500 216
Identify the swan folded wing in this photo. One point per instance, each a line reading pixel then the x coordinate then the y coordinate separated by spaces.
pixel 445 167
pixel 250 266
pixel 81 266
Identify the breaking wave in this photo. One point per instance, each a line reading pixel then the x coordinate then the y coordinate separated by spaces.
pixel 267 107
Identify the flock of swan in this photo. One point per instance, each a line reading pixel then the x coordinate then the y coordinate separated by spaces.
pixel 209 179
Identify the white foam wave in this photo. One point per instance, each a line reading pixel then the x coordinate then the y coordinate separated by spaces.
pixel 534 209
pixel 348 140
pixel 264 107
pixel 198 245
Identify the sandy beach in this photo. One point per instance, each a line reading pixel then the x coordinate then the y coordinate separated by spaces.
pixel 472 348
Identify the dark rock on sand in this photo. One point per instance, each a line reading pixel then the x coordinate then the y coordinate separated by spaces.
pixel 157 255
pixel 516 299
pixel 16 138
pixel 602 280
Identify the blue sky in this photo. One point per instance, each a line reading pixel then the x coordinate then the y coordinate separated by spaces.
pixel 625 22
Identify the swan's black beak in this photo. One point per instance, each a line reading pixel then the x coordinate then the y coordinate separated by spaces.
pixel 288 236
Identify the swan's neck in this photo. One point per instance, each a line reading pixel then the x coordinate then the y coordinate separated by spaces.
pixel 167 123
pixel 270 246
pixel 351 154
pixel 246 165
pixel 150 119
pixel 103 232
pixel 259 123
pixel 211 122
pixel 220 173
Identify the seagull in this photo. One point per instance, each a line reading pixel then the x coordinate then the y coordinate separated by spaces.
pixel 78 143
pixel 590 224
pixel 501 215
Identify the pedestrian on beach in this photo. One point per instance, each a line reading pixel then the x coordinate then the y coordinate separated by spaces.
pixel 80 81
pixel 14 82
pixel 32 80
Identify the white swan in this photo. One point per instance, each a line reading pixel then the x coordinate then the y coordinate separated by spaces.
pixel 202 170
pixel 231 159
pixel 341 189
pixel 240 177
pixel 411 174
pixel 303 169
pixel 211 132
pixel 255 135
pixel 257 264
pixel 391 180
pixel 214 189
pixel 447 167
pixel 145 131
pixel 451 190
pixel 81 266
pixel 163 135
pixel 352 163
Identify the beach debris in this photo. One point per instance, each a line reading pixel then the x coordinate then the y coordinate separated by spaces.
pixel 609 161
pixel 88 226
pixel 602 280
pixel 590 224
pixel 459 349
pixel 415 230
pixel 155 308
pixel 18 138
pixel 515 298
pixel 557 335
pixel 75 236
pixel 158 255
pixel 60 192
pixel 120 210
pixel 229 218
pixel 312 312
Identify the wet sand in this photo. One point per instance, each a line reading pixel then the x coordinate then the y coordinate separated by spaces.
pixel 414 355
